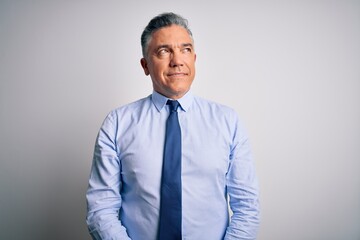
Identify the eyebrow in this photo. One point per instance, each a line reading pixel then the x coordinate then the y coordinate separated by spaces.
pixel 187 45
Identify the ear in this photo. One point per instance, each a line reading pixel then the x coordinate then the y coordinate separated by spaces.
pixel 144 65
pixel 195 57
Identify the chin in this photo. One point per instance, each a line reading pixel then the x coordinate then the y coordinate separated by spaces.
pixel 181 93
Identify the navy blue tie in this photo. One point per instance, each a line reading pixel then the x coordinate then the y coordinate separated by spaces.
pixel 170 202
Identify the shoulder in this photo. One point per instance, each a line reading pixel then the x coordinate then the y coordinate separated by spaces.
pixel 220 115
pixel 213 107
pixel 129 108
pixel 125 115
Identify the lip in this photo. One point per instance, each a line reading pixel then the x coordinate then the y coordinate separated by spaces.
pixel 177 74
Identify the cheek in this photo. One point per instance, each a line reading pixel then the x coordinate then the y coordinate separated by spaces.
pixel 192 68
pixel 191 63
pixel 158 69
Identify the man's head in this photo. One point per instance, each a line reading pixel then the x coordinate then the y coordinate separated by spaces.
pixel 168 55
pixel 160 21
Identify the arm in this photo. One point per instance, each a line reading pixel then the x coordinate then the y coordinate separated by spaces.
pixel 242 189
pixel 103 194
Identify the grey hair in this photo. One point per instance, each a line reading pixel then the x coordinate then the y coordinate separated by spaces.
pixel 160 21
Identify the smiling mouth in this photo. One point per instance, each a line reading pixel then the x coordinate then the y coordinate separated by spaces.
pixel 177 74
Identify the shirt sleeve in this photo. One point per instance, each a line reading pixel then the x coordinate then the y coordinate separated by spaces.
pixel 242 187
pixel 103 194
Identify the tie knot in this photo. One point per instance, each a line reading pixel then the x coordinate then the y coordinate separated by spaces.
pixel 173 105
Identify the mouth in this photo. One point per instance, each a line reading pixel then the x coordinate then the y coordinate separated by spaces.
pixel 177 74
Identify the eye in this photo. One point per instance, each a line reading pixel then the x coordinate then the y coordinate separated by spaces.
pixel 187 50
pixel 163 52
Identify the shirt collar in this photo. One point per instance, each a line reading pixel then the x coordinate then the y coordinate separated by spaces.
pixel 160 100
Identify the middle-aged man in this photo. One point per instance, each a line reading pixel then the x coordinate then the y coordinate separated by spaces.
pixel 165 166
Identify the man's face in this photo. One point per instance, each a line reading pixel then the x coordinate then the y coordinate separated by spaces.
pixel 170 61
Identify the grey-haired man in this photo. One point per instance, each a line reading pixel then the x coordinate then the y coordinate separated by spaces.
pixel 124 200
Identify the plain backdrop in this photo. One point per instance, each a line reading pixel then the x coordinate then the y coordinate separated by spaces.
pixel 291 69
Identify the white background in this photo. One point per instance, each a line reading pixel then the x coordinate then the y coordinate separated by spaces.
pixel 291 69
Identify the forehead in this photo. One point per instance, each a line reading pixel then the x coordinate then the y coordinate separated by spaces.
pixel 171 35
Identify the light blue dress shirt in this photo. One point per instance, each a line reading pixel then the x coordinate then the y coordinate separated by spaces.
pixel 124 186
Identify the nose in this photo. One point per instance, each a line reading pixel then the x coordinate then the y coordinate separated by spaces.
pixel 176 59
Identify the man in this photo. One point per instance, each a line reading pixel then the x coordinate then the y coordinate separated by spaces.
pixel 127 194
